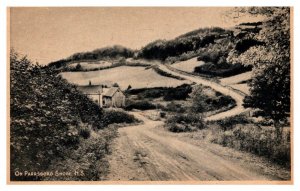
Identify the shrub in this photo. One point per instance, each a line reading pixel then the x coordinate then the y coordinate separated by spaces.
pixel 198 99
pixel 162 114
pixel 141 105
pixel 184 123
pixel 152 93
pixel 168 93
pixel 85 132
pixel 203 102
pixel 88 158
pixel 245 44
pixel 46 113
pixel 220 102
pixel 174 107
pixel 218 94
pixel 166 74
pixel 112 116
pixel 230 122
pixel 78 67
pixel 257 140
pixel 179 93
pixel 222 70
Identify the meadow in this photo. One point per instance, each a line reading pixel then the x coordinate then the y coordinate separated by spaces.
pixel 136 77
pixel 238 81
pixel 90 65
pixel 188 65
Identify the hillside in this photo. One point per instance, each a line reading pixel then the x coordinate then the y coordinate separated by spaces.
pixel 106 54
pixel 136 77
pixel 187 43
pixel 210 45
pixel 54 127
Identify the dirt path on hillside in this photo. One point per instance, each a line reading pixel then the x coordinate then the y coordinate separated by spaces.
pixel 237 96
pixel 148 152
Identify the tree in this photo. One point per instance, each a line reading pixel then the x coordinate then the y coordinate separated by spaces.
pixel 270 85
pixel 78 67
pixel 129 87
pixel 198 99
pixel 116 85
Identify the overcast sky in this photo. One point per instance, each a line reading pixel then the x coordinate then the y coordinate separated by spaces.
pixel 49 34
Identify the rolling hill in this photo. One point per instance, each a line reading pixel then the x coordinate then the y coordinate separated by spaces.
pixel 137 77
pixel 210 45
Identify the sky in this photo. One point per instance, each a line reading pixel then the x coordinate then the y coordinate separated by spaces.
pixel 49 34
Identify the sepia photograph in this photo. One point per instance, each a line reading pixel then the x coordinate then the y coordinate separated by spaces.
pixel 142 95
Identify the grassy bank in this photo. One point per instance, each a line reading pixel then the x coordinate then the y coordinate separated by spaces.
pixel 54 128
pixel 243 134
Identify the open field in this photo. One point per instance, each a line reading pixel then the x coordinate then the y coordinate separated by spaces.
pixel 141 62
pixel 237 81
pixel 188 65
pixel 91 65
pixel 137 77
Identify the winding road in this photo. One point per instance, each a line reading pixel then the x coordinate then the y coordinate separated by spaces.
pixel 148 152
pixel 236 95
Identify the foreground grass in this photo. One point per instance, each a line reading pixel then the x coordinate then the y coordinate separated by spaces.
pixel 253 138
pixel 243 134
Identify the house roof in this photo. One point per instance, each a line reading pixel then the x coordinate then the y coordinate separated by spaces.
pixel 90 89
pixel 110 91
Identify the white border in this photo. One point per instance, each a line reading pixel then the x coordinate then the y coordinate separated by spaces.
pixel 148 3
pixel 3 41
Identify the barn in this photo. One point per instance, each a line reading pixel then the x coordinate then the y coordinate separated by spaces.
pixel 113 97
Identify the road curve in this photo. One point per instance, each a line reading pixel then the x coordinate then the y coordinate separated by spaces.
pixel 147 152
pixel 237 96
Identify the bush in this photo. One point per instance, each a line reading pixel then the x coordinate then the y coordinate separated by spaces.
pixel 85 132
pixel 88 158
pixel 47 115
pixel 184 123
pixel 166 74
pixel 174 107
pixel 222 101
pixel 152 93
pixel 245 44
pixel 141 105
pixel 168 93
pixel 222 70
pixel 203 102
pixel 179 93
pixel 112 116
pixel 162 114
pixel 198 99
pixel 230 122
pixel 257 140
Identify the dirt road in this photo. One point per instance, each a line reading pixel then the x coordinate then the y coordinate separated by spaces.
pixel 238 97
pixel 148 152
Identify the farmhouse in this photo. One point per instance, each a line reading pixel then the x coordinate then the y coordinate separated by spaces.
pixel 113 97
pixel 105 97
